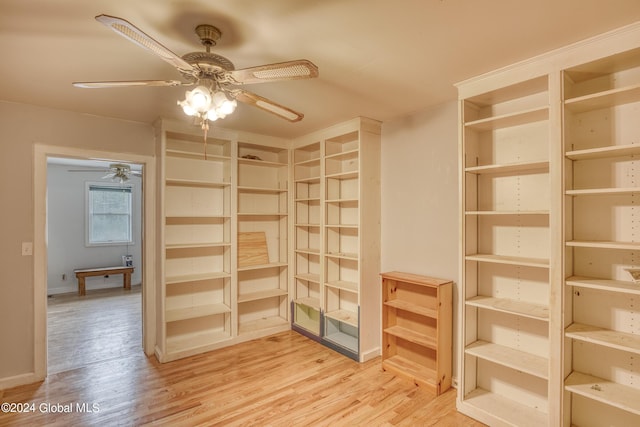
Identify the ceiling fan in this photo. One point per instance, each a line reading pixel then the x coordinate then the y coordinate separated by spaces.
pixel 214 76
pixel 116 172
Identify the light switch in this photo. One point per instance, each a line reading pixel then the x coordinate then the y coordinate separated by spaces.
pixel 27 248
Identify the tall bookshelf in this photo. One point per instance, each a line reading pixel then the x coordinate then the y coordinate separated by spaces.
pixel 601 102
pixel 262 191
pixel 197 244
pixel 549 242
pixel 506 251
pixel 308 231
pixel 337 254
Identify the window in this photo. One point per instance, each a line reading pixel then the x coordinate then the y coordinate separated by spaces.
pixel 109 214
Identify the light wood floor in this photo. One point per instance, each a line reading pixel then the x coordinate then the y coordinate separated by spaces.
pixel 282 380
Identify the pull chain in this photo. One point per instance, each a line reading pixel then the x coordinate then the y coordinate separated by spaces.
pixel 205 128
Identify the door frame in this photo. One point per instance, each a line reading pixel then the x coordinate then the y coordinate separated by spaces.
pixel 41 153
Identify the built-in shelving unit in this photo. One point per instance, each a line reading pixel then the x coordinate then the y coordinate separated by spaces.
pixel 506 252
pixel 197 244
pixel 550 265
pixel 337 228
pixel 258 235
pixel 262 207
pixel 417 329
pixel 602 322
pixel 307 170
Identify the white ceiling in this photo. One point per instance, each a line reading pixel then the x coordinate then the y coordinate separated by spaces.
pixel 377 58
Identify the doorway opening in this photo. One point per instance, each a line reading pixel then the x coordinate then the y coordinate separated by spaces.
pixel 94 221
pixel 138 249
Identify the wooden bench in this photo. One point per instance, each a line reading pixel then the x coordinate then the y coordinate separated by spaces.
pixel 81 274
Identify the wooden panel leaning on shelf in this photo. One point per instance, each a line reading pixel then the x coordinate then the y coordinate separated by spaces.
pixel 417 329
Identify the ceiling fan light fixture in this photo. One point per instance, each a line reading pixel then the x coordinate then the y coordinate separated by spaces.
pixel 199 99
pixel 207 104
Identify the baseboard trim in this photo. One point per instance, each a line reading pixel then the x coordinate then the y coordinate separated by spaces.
pixel 18 380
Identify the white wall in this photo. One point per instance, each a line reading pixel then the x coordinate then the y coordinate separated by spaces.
pixel 21 126
pixel 420 196
pixel 66 224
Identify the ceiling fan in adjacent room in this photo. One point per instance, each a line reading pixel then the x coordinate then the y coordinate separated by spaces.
pixel 116 172
pixel 215 78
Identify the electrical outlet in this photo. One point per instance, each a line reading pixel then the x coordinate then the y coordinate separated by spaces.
pixel 27 248
pixel 64 276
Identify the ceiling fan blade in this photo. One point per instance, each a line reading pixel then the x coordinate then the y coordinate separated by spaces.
pixel 134 34
pixel 267 105
pixel 291 70
pixel 99 85
pixel 88 170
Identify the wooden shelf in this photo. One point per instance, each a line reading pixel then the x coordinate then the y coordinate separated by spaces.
pixel 504 305
pixel 254 326
pixel 342 255
pixel 263 214
pixel 541 166
pixel 343 175
pixel 311 251
pixel 309 277
pixel 195 311
pixel 605 337
pixel 608 392
pixel 604 284
pixel 263 266
pixel 343 285
pixel 507 213
pixel 414 372
pixel 606 99
pixel 412 336
pixel 309 302
pixel 348 154
pixel 511 260
pixel 602 191
pixel 245 189
pixel 196 183
pixel 254 162
pixel 353 226
pixel 309 162
pixel 604 244
pixel 255 296
pixel 308 180
pixel 412 308
pixel 196 156
pixel 197 245
pixel 187 278
pixel 344 316
pixel 505 410
pixel 510 120
pixel 341 201
pixel 605 152
pixel 511 358
pixel 184 345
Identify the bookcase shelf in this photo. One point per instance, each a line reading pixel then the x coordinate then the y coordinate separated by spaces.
pixel 506 251
pixel 417 328
pixel 550 248
pixel 196 240
pixel 336 230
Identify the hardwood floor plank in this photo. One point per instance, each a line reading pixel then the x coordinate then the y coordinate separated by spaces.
pixel 281 380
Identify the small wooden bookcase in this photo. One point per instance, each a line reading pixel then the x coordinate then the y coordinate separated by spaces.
pixel 417 329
